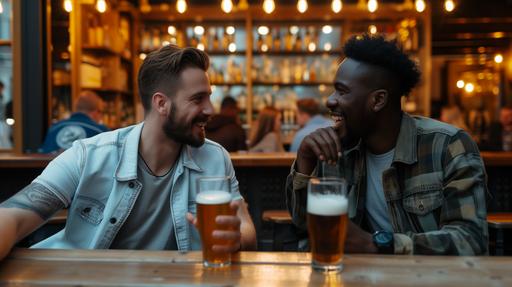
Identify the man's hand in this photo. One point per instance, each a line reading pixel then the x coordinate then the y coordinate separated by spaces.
pixel 230 231
pixel 358 240
pixel 323 144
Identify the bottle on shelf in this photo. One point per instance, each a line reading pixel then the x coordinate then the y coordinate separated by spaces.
pixel 277 40
pixel 288 41
pixel 225 41
pixel 298 43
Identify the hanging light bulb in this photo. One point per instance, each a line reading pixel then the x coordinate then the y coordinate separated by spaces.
pixel 68 6
pixel 171 30
pixel 327 29
pixel 449 5
pixel 420 5
pixel 101 6
pixel 232 47
pixel 336 6
pixel 226 6
pixel 302 6
pixel 372 29
pixel 373 5
pixel 269 6
pixel 498 58
pixel 181 6
pixel 230 30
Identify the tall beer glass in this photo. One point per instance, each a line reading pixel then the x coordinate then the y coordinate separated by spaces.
pixel 327 218
pixel 213 199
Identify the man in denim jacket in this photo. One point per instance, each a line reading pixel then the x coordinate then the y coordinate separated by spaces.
pixel 135 187
pixel 416 185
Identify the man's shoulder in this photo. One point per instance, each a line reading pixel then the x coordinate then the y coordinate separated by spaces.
pixel 114 137
pixel 429 126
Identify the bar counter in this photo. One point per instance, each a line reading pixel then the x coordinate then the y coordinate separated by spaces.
pixel 240 159
pixel 157 268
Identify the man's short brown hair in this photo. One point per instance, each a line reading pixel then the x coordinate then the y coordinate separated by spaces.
pixel 309 106
pixel 162 68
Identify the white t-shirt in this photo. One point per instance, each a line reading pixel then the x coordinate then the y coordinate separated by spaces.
pixel 376 205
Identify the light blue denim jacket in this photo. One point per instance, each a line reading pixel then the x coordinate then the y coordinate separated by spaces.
pixel 97 180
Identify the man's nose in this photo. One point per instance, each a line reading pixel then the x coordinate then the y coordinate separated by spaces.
pixel 208 109
pixel 331 102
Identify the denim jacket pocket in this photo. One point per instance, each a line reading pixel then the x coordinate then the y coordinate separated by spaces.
pixel 89 209
pixel 423 199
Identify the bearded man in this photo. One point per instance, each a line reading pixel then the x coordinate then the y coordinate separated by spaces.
pixel 135 187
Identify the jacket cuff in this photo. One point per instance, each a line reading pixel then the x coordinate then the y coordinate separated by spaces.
pixel 403 244
pixel 300 180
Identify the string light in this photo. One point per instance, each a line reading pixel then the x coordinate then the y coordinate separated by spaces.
pixel 232 47
pixel 449 5
pixel 373 5
pixel 302 6
pixel 181 6
pixel 294 30
pixel 9 121
pixel 226 6
pixel 460 84
pixel 68 6
pixel 199 30
pixel 269 6
pixel 230 30
pixel 263 30
pixel 498 58
pixel 372 29
pixel 336 6
pixel 312 47
pixel 420 5
pixel 327 46
pixel 469 87
pixel 101 6
pixel 327 29
pixel 171 30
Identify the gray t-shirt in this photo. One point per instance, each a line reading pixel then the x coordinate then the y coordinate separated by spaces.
pixel 376 205
pixel 149 225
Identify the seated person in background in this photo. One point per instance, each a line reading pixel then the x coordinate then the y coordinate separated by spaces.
pixel 83 123
pixel 225 128
pixel 135 187
pixel 266 134
pixel 309 119
pixel 416 185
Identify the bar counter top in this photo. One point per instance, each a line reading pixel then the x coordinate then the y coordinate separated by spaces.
pixel 239 159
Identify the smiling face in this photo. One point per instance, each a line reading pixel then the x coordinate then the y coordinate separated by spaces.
pixel 190 108
pixel 350 100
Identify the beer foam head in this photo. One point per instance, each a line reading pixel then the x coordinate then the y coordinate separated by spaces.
pixel 213 197
pixel 327 205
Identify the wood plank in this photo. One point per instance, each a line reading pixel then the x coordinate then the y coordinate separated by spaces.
pixel 156 268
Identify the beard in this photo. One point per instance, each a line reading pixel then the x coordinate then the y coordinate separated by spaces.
pixel 182 132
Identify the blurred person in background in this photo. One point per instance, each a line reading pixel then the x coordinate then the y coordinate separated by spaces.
pixel 309 119
pixel 225 128
pixel 453 115
pixel 266 134
pixel 83 123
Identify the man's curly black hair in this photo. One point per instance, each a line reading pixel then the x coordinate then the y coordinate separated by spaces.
pixel 377 51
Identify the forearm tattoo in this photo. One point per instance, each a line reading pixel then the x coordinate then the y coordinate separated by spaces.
pixel 35 197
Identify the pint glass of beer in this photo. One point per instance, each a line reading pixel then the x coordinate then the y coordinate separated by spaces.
pixel 327 218
pixel 213 199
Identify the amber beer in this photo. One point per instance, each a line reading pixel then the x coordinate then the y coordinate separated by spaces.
pixel 211 203
pixel 327 224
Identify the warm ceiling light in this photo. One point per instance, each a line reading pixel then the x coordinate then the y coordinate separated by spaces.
pixel 142 56
pixel 336 6
pixel 420 5
pixel 302 6
pixel 449 5
pixel 101 6
pixel 226 6
pixel 200 46
pixel 327 29
pixel 68 6
pixel 469 87
pixel 372 29
pixel 181 6
pixel 498 58
pixel 199 30
pixel 460 84
pixel 269 6
pixel 263 30
pixel 294 29
pixel 171 30
pixel 230 30
pixel 373 5
pixel 232 47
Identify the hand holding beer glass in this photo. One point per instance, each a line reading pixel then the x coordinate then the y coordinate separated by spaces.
pixel 327 218
pixel 213 199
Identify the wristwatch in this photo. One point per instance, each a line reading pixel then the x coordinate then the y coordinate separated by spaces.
pixel 384 241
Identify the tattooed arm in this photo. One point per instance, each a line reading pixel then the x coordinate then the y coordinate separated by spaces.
pixel 25 212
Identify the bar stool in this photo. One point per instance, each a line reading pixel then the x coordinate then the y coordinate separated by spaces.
pixel 500 222
pixel 282 224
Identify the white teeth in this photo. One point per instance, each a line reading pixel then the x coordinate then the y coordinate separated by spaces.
pixel 337 118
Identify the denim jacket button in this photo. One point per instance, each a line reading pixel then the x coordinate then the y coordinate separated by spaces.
pixel 131 184
pixel 113 220
pixel 421 207
pixel 86 210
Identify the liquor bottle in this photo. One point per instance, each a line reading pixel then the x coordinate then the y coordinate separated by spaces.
pixel 277 40
pixel 288 41
pixel 146 40
pixel 298 43
pixel 194 42
pixel 155 39
pixel 225 41
pixel 259 43
pixel 216 43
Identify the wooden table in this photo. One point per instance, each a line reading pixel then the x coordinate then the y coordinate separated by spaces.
pixel 156 268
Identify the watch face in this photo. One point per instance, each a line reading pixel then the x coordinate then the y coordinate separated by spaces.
pixel 383 237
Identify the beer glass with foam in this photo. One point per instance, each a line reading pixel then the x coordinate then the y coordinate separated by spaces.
pixel 213 199
pixel 327 219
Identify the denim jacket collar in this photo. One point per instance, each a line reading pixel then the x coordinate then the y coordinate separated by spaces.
pixel 406 144
pixel 127 166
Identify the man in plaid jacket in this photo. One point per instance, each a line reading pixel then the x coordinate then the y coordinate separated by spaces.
pixel 416 185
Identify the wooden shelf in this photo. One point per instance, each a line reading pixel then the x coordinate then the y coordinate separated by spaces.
pixel 5 42
pixel 291 84
pixel 297 53
pixel 103 50
pixel 108 91
pixel 210 53
pixel 228 84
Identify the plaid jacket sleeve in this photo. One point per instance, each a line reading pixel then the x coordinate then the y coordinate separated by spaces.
pixel 296 196
pixel 463 215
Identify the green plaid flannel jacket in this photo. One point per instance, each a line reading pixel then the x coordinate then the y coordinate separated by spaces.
pixel 435 189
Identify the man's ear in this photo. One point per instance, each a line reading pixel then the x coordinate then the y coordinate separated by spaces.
pixel 379 99
pixel 161 103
